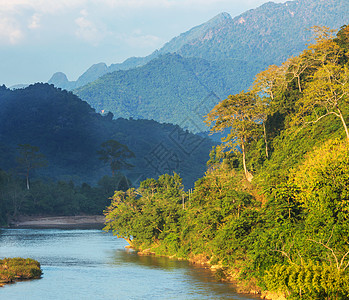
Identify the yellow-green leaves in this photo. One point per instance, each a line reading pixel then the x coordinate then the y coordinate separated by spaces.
pixel 323 179
pixel 237 112
pixel 325 95
pixel 308 281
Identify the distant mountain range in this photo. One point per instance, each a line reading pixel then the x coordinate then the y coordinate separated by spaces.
pixel 228 53
pixel 170 88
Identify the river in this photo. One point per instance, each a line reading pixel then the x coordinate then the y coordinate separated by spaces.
pixel 92 264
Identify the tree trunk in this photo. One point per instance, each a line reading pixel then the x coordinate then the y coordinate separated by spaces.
pixel 344 124
pixel 299 84
pixel 265 140
pixel 248 175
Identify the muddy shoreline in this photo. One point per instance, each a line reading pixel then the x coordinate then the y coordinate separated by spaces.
pixel 78 222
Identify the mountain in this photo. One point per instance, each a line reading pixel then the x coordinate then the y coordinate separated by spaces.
pixel 266 35
pixel 59 79
pixel 169 88
pixel 219 57
pixel 69 133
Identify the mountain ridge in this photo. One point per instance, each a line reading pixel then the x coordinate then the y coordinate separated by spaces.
pixel 232 52
pixel 170 88
pixel 265 29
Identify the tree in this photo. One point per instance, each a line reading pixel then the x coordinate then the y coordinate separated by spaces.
pixel 150 213
pixel 238 113
pixel 323 179
pixel 342 38
pixel 115 154
pixel 30 158
pixel 326 94
pixel 324 50
pixel 262 111
pixel 297 66
pixel 268 84
pixel 270 81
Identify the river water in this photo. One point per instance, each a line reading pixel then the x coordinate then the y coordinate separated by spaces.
pixel 92 264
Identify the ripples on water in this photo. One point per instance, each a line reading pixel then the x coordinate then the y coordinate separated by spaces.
pixel 92 264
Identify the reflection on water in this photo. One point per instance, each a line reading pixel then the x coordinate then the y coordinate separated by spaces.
pixel 92 264
pixel 129 256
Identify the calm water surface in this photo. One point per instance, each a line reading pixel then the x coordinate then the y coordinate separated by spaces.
pixel 92 264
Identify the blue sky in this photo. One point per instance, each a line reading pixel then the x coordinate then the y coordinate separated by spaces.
pixel 41 37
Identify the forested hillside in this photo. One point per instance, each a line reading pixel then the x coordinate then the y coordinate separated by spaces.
pixel 219 57
pixel 69 133
pixel 266 35
pixel 274 214
pixel 167 89
pixel 52 142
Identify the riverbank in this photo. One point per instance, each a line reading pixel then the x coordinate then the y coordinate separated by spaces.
pixel 244 288
pixel 79 222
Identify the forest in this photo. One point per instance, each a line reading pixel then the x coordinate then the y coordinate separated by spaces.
pixel 272 210
pixel 59 157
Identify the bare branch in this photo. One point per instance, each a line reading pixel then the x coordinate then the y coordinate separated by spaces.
pixel 325 115
pixel 327 247
pixel 330 236
pixel 342 261
pixel 285 254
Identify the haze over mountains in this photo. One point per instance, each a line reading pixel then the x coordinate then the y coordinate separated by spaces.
pixel 69 133
pixel 268 35
pixel 210 61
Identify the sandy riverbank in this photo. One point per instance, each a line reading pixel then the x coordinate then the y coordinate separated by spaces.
pixel 96 221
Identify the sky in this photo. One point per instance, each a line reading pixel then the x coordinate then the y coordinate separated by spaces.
pixel 41 37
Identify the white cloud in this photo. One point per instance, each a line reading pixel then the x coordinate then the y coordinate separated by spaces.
pixel 42 6
pixel 87 30
pixel 199 4
pixel 9 32
pixel 19 17
pixel 34 22
pixel 139 40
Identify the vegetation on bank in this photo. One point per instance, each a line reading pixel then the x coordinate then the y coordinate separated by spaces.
pixel 12 269
pixel 54 198
pixel 274 211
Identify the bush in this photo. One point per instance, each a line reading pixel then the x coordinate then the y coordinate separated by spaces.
pixel 19 268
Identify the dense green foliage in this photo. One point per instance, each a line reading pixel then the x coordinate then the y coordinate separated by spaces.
pixel 55 198
pixel 17 268
pixel 288 230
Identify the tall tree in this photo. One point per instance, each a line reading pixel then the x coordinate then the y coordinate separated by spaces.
pixel 297 66
pixel 115 154
pixel 342 38
pixel 267 85
pixel 237 112
pixel 270 81
pixel 30 158
pixel 324 50
pixel 326 95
